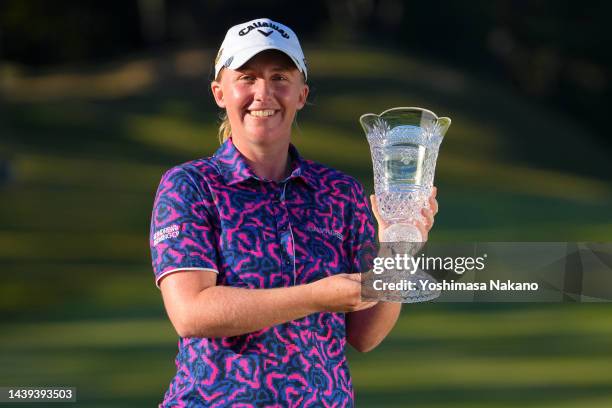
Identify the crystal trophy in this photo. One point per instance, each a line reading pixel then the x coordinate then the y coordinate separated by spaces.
pixel 404 144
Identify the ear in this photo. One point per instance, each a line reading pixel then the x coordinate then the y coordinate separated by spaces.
pixel 303 97
pixel 217 92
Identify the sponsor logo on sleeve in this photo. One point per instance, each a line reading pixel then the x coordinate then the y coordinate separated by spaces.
pixel 165 233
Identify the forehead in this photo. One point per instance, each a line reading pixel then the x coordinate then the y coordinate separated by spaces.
pixel 270 59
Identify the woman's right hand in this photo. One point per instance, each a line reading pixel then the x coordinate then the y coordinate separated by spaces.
pixel 339 293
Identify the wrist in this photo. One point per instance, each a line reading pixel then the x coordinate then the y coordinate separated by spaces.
pixel 313 303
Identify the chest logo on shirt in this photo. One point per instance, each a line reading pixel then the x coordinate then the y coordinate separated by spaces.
pixel 165 233
pixel 325 231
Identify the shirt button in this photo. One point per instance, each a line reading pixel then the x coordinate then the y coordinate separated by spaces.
pixel 287 261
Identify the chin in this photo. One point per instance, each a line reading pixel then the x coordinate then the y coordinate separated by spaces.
pixel 264 136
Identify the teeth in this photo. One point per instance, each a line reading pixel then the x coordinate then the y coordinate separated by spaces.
pixel 262 113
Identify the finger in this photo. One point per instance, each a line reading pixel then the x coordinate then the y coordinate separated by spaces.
pixel 354 276
pixel 433 205
pixel 432 198
pixel 375 207
pixel 423 229
pixel 365 305
pixel 428 218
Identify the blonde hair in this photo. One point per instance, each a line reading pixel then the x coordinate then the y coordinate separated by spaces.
pixel 225 129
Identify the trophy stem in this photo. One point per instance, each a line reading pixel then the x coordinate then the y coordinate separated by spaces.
pixel 401 232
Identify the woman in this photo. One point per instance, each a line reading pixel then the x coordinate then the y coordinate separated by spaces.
pixel 257 250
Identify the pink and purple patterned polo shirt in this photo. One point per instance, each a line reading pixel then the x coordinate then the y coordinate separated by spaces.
pixel 215 214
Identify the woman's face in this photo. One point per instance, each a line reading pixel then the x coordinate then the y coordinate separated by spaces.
pixel 261 98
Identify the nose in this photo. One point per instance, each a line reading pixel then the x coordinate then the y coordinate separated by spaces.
pixel 263 89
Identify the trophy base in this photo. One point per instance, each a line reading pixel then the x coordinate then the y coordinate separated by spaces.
pixel 401 232
pixel 421 294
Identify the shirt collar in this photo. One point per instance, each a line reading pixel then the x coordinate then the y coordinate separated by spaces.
pixel 234 169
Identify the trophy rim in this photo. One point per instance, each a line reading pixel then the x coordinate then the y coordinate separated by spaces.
pixel 414 108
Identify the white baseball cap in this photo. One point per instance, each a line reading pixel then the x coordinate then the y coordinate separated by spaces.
pixel 243 41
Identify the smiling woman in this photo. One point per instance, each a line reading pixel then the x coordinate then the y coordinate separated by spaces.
pixel 261 99
pixel 258 251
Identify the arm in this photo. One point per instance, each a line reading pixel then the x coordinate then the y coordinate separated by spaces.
pixel 198 308
pixel 195 305
pixel 366 329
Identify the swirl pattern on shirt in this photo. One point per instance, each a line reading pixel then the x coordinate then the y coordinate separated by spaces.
pixel 215 214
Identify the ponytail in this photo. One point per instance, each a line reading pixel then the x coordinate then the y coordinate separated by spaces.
pixel 225 129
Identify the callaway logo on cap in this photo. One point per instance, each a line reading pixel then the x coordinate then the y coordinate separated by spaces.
pixel 243 41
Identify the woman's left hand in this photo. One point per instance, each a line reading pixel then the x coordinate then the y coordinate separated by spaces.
pixel 423 226
pixel 428 214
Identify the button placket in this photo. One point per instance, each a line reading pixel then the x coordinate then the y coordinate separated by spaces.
pixel 285 237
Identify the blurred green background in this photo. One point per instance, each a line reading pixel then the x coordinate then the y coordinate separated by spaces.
pixel 97 100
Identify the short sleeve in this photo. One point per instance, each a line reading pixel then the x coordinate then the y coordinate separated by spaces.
pixel 183 233
pixel 363 233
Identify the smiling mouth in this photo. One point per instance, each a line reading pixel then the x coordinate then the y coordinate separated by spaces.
pixel 262 113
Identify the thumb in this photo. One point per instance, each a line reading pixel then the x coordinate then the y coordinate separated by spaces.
pixel 354 277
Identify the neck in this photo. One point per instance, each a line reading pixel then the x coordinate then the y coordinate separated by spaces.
pixel 267 162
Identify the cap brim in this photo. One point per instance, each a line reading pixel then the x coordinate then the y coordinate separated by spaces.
pixel 242 57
